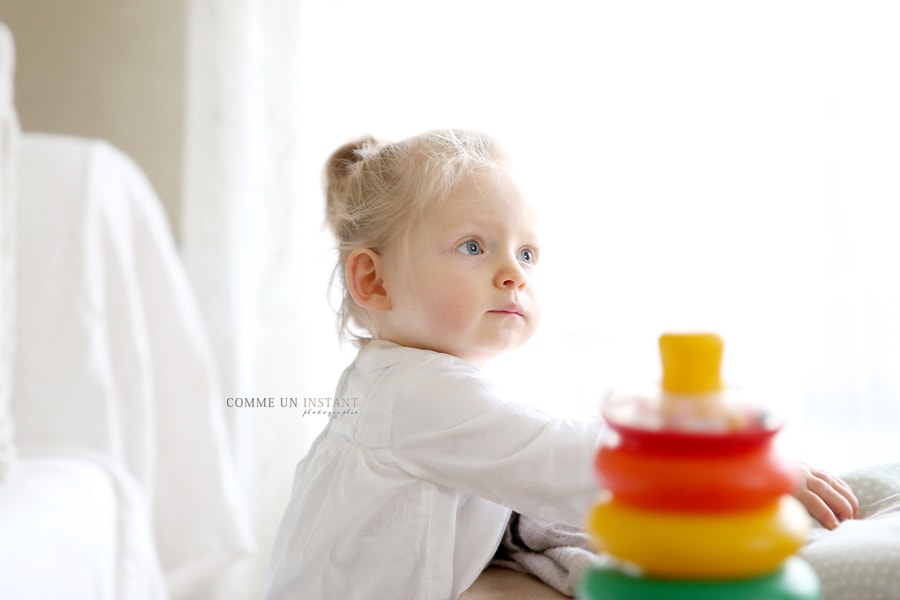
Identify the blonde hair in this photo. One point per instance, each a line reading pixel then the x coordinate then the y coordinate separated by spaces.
pixel 376 190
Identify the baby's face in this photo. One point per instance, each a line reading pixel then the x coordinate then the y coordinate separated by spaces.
pixel 466 286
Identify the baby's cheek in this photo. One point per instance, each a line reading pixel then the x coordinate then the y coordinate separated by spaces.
pixel 450 313
pixel 535 311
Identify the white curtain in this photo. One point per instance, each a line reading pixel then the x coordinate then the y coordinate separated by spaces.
pixel 724 166
pixel 242 239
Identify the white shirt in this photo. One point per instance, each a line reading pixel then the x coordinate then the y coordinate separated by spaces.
pixel 408 498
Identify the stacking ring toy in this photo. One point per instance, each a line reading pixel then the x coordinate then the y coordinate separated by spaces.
pixel 689 545
pixel 694 483
pixel 623 414
pixel 794 581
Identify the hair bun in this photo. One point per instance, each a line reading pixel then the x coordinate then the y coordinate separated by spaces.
pixel 338 170
pixel 345 158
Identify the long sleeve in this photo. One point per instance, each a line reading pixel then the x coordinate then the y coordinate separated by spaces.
pixel 450 427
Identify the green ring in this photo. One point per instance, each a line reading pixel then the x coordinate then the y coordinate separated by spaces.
pixel 794 580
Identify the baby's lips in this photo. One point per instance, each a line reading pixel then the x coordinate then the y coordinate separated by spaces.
pixel 514 309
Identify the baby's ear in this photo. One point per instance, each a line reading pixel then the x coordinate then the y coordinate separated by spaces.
pixel 365 279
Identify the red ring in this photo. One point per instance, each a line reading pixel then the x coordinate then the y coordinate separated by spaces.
pixel 694 483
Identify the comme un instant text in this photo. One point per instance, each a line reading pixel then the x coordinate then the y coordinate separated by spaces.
pixel 290 402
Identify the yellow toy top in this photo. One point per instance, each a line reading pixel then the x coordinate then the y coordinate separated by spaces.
pixel 691 363
pixel 693 397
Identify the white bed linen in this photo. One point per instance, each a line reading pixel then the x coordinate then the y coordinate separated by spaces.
pixel 860 560
pixel 73 527
pixel 113 355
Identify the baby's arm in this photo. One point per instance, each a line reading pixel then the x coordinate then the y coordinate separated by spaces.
pixel 826 497
pixel 451 428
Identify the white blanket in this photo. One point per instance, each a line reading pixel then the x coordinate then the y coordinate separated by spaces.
pixel 112 353
pixel 9 136
pixel 75 528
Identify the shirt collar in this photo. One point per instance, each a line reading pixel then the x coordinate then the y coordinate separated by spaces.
pixel 379 354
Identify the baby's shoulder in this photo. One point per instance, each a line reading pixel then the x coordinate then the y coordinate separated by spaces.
pixel 408 377
pixel 443 388
pixel 436 371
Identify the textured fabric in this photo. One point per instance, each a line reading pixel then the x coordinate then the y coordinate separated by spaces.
pixel 112 354
pixel 554 553
pixel 9 135
pixel 408 489
pixel 860 560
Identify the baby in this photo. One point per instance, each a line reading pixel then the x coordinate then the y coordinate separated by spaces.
pixel 409 496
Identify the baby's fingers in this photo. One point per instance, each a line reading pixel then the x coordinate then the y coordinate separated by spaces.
pixel 828 499
pixel 817 508
pixel 844 490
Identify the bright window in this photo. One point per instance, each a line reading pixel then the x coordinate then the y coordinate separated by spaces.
pixel 713 165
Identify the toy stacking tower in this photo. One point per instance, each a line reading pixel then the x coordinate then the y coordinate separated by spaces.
pixel 698 505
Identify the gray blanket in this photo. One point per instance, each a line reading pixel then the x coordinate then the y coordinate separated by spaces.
pixel 556 554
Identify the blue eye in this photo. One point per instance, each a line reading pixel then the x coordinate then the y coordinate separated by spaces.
pixel 527 255
pixel 470 247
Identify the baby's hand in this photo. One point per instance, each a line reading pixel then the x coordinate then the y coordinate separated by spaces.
pixel 827 498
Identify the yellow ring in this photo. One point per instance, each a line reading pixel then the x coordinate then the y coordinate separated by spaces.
pixel 685 545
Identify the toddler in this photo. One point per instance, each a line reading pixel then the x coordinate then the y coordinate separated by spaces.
pixel 408 497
